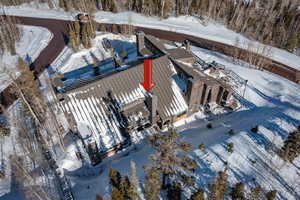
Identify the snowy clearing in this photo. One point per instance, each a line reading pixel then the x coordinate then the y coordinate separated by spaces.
pixel 33 41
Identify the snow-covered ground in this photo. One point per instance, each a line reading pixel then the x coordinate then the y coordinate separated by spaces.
pixel 270 101
pixel 183 24
pixel 97 53
pixel 40 10
pixel 33 41
pixel 193 26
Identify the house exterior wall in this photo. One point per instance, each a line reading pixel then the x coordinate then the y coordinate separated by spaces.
pixel 194 95
pixel 298 77
pixel 214 92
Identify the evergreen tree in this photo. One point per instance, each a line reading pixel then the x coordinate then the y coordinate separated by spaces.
pixel 271 195
pixel 218 188
pixel 125 187
pixel 167 159
pixel 115 178
pixel 116 194
pixel 153 184
pixel 4 129
pixel 26 87
pixel 291 147
pixel 238 192
pixel 197 195
pixel 256 193
pixel 174 192
pixel 74 40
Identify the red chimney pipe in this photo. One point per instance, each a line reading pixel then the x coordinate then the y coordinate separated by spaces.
pixel 148 81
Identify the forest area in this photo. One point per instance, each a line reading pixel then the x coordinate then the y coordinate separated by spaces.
pixel 274 22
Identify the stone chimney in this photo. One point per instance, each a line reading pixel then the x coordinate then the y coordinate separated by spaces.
pixel 187 45
pixel 118 62
pixel 57 82
pixel 151 102
pixel 140 41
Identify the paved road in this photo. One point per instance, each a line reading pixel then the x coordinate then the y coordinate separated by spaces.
pixel 59 28
pixel 48 55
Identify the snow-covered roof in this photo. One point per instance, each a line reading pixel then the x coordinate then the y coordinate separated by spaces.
pixel 85 101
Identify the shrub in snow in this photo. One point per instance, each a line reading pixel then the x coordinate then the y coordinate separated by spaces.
pixel 209 126
pixel 230 147
pixel 202 147
pixel 238 191
pixel 231 132
pixel 254 129
pixel 271 195
pixel 253 161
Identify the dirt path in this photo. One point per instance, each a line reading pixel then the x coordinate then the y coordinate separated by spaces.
pixel 59 28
